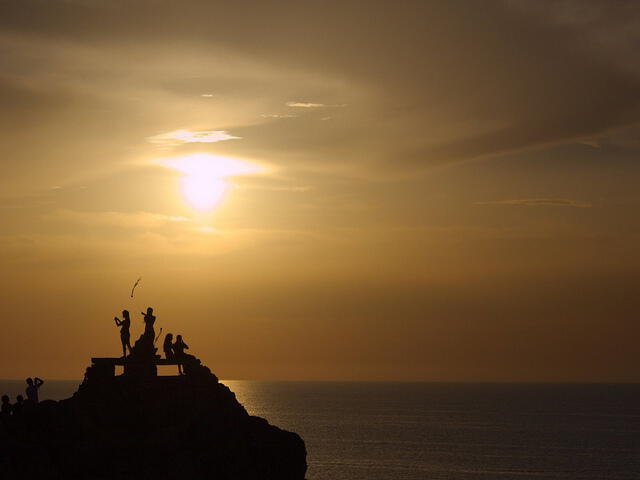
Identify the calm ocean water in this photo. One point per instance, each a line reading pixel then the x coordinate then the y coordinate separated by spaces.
pixel 419 431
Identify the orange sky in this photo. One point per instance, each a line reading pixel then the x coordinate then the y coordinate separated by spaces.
pixel 345 190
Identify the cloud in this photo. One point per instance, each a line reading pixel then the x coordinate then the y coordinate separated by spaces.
pixel 314 105
pixel 177 137
pixel 207 229
pixel 124 220
pixel 301 188
pixel 590 142
pixel 499 80
pixel 626 138
pixel 305 105
pixel 277 115
pixel 539 202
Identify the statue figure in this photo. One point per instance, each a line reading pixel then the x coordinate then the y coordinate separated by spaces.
pixel 144 347
pixel 149 320
pixel 125 334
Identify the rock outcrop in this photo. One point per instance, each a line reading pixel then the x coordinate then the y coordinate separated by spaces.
pixel 141 426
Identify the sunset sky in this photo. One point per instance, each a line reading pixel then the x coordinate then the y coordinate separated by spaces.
pixel 324 190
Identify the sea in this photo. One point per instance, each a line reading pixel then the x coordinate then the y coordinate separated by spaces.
pixel 422 431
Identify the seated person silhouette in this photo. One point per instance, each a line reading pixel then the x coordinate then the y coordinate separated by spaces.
pixel 178 350
pixel 167 346
pixel 125 333
pixel 32 389
pixel 18 406
pixel 6 405
pixel 169 354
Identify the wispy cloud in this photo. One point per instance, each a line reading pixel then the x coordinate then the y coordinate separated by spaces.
pixel 178 137
pixel 277 115
pixel 539 202
pixel 591 142
pixel 314 105
pixel 305 105
pixel 138 220
pixel 295 188
pixel 207 229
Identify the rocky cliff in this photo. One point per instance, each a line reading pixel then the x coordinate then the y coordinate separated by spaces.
pixel 147 427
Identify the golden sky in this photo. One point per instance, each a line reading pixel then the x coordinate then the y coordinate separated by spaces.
pixel 348 190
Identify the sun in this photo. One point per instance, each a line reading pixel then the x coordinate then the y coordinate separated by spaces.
pixel 204 185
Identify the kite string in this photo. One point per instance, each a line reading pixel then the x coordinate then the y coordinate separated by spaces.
pixel 135 285
pixel 134 302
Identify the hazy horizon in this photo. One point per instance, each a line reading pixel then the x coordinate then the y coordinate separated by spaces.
pixel 344 190
pixel 444 382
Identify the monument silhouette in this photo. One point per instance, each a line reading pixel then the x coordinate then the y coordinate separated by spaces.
pixel 138 425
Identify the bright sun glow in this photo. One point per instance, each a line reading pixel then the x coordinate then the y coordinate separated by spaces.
pixel 204 184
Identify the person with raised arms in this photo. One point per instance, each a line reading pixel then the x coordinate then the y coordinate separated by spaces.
pixel 125 333
pixel 32 388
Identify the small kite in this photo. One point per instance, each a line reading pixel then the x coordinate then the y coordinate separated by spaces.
pixel 135 285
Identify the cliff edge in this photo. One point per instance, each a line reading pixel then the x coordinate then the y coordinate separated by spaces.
pixel 142 426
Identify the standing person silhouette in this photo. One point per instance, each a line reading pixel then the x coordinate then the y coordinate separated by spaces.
pixel 125 333
pixel 149 320
pixel 32 389
pixel 178 349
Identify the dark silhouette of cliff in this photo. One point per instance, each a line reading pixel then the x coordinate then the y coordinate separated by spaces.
pixel 141 426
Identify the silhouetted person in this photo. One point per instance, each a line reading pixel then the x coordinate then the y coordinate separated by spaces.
pixel 6 405
pixel 167 346
pixel 149 320
pixel 178 350
pixel 125 333
pixel 32 389
pixel 19 405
